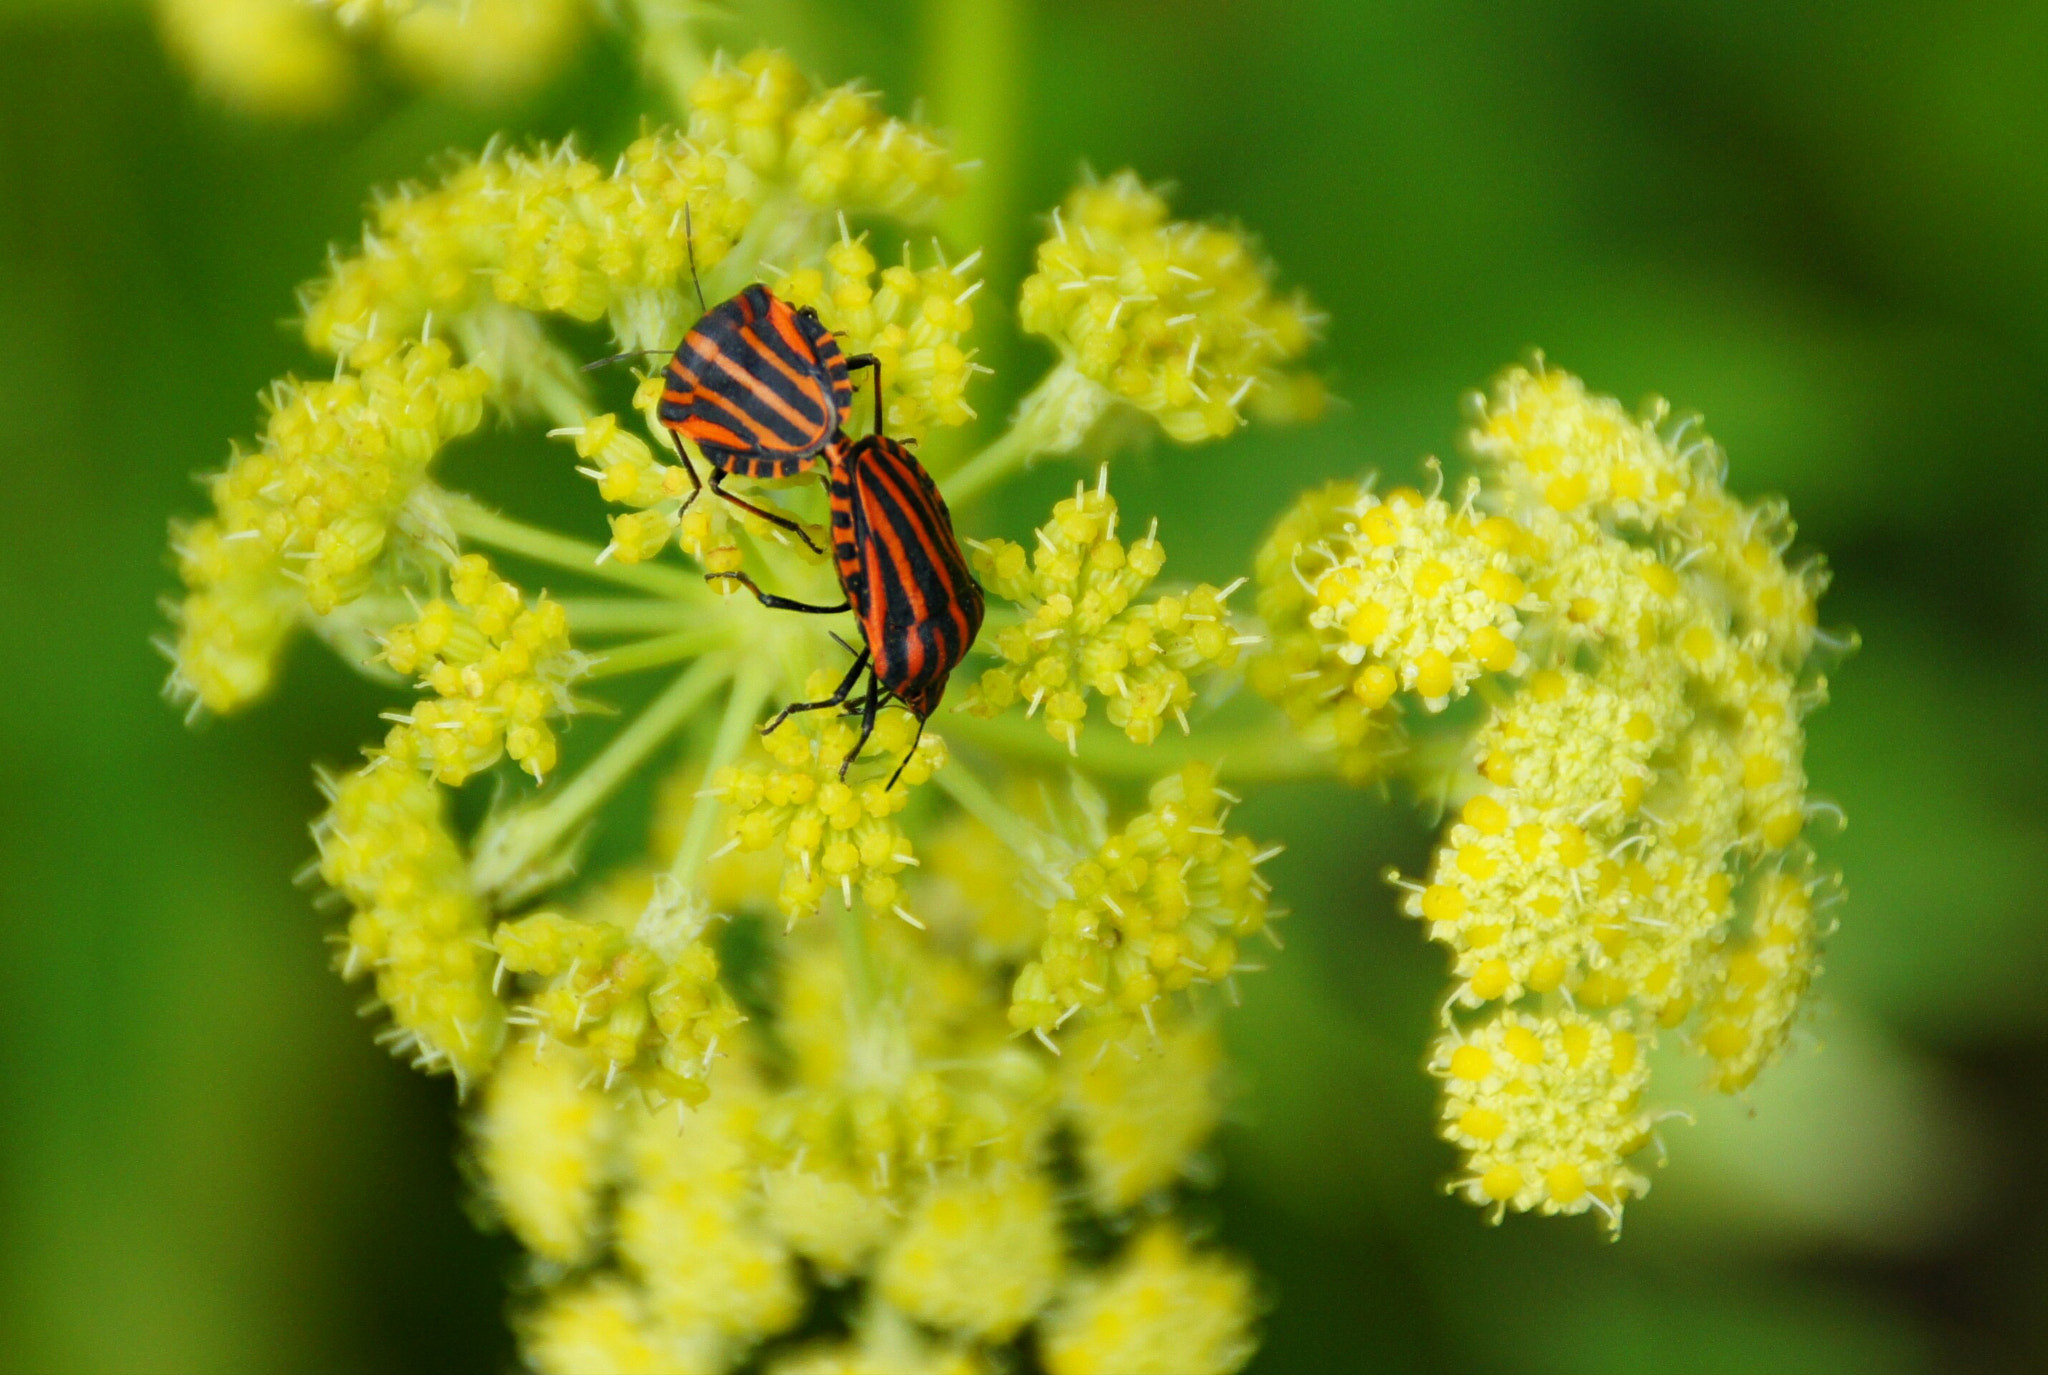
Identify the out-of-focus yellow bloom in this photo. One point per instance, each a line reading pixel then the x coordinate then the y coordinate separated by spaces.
pixel 835 148
pixel 268 57
pixel 836 835
pixel 970 891
pixel 602 1327
pixel 1547 1110
pixel 301 521
pixel 1177 319
pixel 978 1256
pixel 689 1221
pixel 499 668
pixel 1753 993
pixel 544 1136
pixel 912 320
pixel 1141 1106
pixel 888 1344
pixel 889 1085
pixel 1162 1309
pixel 485 50
pixel 1163 905
pixel 385 846
pixel 1080 633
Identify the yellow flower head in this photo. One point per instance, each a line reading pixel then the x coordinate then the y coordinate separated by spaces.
pixel 689 1221
pixel 545 231
pixel 1547 1111
pixel 631 980
pixel 301 522
pixel 1141 1107
pixel 1756 985
pixel 912 320
pixel 1080 634
pixel 385 846
pixel 544 1135
pixel 499 669
pixel 1163 905
pixel 837 835
pixel 834 148
pixel 1162 1309
pixel 923 1078
pixel 977 1256
pixel 889 1344
pixel 272 57
pixel 602 1327
pixel 1177 319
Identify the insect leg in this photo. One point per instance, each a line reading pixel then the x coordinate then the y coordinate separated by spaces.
pixel 867 721
pixel 868 360
pixel 839 694
pixel 907 755
pixel 718 476
pixel 696 482
pixel 622 357
pixel 775 603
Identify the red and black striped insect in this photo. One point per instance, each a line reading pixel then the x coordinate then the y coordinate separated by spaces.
pixel 904 576
pixel 761 387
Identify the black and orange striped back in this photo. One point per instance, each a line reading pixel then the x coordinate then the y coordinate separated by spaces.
pixel 760 387
pixel 901 567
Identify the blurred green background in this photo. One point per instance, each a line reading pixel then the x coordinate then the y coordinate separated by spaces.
pixel 1826 227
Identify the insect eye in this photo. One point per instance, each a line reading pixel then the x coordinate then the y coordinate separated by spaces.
pixel 806 313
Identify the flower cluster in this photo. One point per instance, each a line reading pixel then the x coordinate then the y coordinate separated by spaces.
pixel 628 979
pixel 1199 1304
pixel 836 835
pixel 910 320
pixel 386 847
pixel 1162 905
pixel 1638 781
pixel 499 668
pixel 284 57
pixel 1177 319
pixel 301 521
pixel 547 231
pixel 1080 634
pixel 885 1127
pixel 832 148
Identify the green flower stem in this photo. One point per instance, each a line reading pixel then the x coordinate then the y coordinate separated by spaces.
pixel 476 521
pixel 1263 753
pixel 512 847
pixel 859 951
pixel 624 615
pixel 1053 419
pixel 749 692
pixel 670 50
pixel 660 651
pixel 965 787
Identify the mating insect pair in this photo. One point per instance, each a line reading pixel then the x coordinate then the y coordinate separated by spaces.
pixel 762 388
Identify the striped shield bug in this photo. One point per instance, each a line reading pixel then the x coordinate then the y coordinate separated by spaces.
pixel 904 577
pixel 761 388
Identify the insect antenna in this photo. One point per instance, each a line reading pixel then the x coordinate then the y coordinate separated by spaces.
pixel 690 249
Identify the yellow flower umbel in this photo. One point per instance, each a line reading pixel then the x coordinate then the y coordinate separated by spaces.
pixel 385 846
pixel 1080 634
pixel 910 320
pixel 285 57
pixel 1177 319
pixel 1163 905
pixel 837 834
pixel 934 1048
pixel 301 522
pixel 1162 1309
pixel 835 148
pixel 499 668
pixel 1637 785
